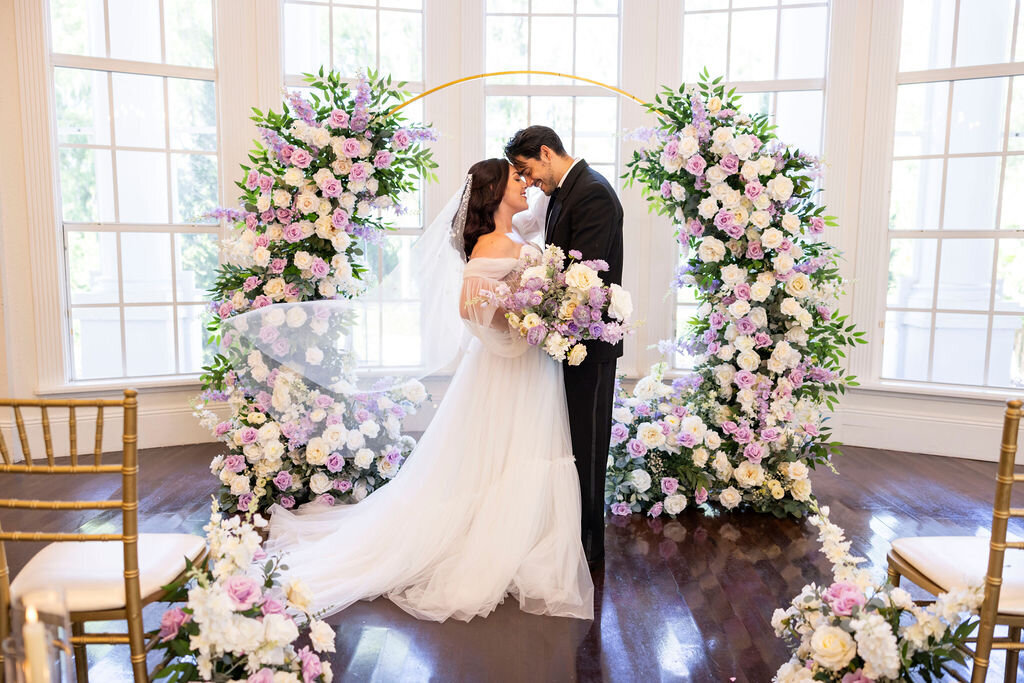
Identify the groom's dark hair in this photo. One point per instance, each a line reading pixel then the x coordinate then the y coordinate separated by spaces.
pixel 528 141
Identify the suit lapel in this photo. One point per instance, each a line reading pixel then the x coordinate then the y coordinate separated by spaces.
pixel 564 193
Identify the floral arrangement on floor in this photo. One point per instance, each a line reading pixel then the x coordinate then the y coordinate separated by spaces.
pixel 316 191
pixel 560 304
pixel 859 631
pixel 239 621
pixel 767 339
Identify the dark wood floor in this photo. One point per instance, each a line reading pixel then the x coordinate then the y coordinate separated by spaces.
pixel 687 600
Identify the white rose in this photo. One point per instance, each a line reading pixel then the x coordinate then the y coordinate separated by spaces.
pixel 620 306
pixel 279 630
pixel 263 203
pixel 540 272
pixel 724 373
pixel 347 201
pixel 801 489
pixel 804 318
pixel 282 198
pixel 582 277
pixel 700 457
pixel 298 595
pixel 294 176
pixel 650 435
pixel 739 308
pixel 799 285
pixel 364 458
pixel 771 238
pixel 722 135
pixel 711 250
pixel 678 192
pixel 268 432
pixel 712 439
pixel 783 263
pixel 622 414
pixel 359 491
pixel 730 498
pixel 790 222
pixel 749 170
pixel 253 452
pixel 320 483
pixel 797 335
pixel 743 146
pixel 832 647
pixel 317 451
pixel 792 671
pixel 370 429
pixel 314 356
pixel 355 440
pixel 640 480
pixel 780 188
pixel 335 435
pixel 715 175
pixel 675 504
pixel 759 291
pixel 239 485
pixel 671 164
pixel 749 474
pixel 261 256
pixel 765 165
pixel 693 426
pixel 302 260
pixel 790 306
pixel 707 208
pixel 797 471
pixel 273 450
pixel 743 343
pixel 733 274
pixel 725 352
pixel 688 146
pixel 748 360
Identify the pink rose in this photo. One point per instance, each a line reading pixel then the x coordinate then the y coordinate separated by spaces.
pixel 730 163
pixel 301 158
pixel 351 147
pixel 339 219
pixel 359 173
pixel 251 221
pixel 669 485
pixel 620 509
pixel 243 591
pixel 753 452
pixel 331 187
pixel 293 233
pixel 755 251
pixel 171 622
pixel 338 118
pixel 262 240
pixel 266 183
pixel 401 139
pixel 283 216
pixel 264 675
pixel 656 510
pixel 252 180
pixel 753 189
pixel 857 677
pixel 272 606
pixel 382 160
pixel 742 291
pixel 325 499
pixel 701 496
pixel 319 268
pixel 843 596
pixel 695 165
pixel 817 225
pixel 311 665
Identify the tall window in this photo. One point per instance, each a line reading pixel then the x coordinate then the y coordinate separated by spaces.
pixel 775 53
pixel 353 37
pixel 135 100
pixel 955 291
pixel 577 37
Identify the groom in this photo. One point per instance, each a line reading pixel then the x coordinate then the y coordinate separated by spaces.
pixel 584 214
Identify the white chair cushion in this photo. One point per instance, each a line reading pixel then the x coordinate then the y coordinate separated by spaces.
pixel 92 572
pixel 953 562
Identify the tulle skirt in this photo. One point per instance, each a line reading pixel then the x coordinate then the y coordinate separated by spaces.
pixel 487 505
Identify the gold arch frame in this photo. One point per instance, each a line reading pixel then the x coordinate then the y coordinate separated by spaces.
pixel 510 73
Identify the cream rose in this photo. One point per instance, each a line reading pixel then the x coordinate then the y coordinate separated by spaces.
pixel 832 647
pixel 780 188
pixel 364 458
pixel 320 483
pixel 577 354
pixel 730 498
pixel 274 288
pixel 749 361
pixel 799 285
pixel 294 176
pixel 759 291
pixel 540 272
pixel 739 308
pixel 640 479
pixel 733 274
pixel 772 238
pixel 801 489
pixel 749 474
pixel 707 208
pixel 582 277
pixel 675 504
pixel 790 222
pixel 700 457
pixel 650 435
pixel 783 263
pixel 790 307
pixel 317 451
pixel 296 316
pixel 711 250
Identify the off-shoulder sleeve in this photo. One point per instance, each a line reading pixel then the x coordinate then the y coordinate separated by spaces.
pixel 486 321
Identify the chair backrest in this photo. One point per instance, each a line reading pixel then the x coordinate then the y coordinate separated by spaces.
pixel 128 504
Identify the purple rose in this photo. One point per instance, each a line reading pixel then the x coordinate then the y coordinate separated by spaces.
pixel 280 347
pixel 292 233
pixel 770 434
pixel 171 622
pixel 223 428
pixel 636 448
pixel 817 225
pixel 269 334
pixel 243 591
pixel 252 180
pixel 843 596
pixel 382 160
pixel 643 409
pixel 234 463
pixel 744 379
pixel 335 463
pixel 266 183
pixel 742 291
pixel 359 173
pixel 666 189
pixel 745 326
pixel 338 118
pixel 723 219
pixel 287 502
pixel 248 435
pixel 753 189
pixel 283 480
pixel 755 251
pixel 695 227
pixel 535 335
pixel 762 340
pixel 734 230
pixel 753 452
pixel 742 434
pixel 687 440
pixel 695 165
pixel 596 329
pixel 730 163
pixel 339 219
pixel 351 147
pixel 669 485
pixel 343 486
pixel 359 122
pixel 301 158
pixel 811 429
pixel 325 499
pixel 284 216
pixel 619 433
pixel 319 269
pixel 597 297
pixel 716 320
pixel 331 187
pixel 621 509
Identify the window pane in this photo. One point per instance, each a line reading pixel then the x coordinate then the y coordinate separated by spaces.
pixel 76 27
pixel 1016 141
pixel 83 106
pixel 551 47
pixel 401 40
pixel 906 342
pixel 597 49
pixel 400 4
pixel 1010 275
pixel 756 102
pixel 696 5
pixel 506 47
pixel 142 187
pixel 195 261
pixel 193 114
pixel 146 266
pixel 1006 358
pixel 306 39
pixel 504 116
pixel 551 6
pixel 979 109
pixel 92 267
pixel 189 32
pixel 596 122
pixel 913 202
pixel 927 40
pixel 965 274
pixel 134 29
pixel 193 186
pixel 139 111
pixel 921 119
pixel 355 40
pixel 149 336
pixel 555 112
pixel 752 48
pixel 508 5
pixel 704 43
pixel 799 117
pixel 972 189
pixel 597 6
pixel 960 341
pixel 86 185
pixel 1012 214
pixel 802 36
pixel 911 273
pixel 193 352
pixel 96 342
pixel 984 32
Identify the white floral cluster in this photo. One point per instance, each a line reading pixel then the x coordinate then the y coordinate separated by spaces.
pixel 845 632
pixel 239 621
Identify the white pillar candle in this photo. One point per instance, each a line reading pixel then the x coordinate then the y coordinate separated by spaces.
pixel 37 648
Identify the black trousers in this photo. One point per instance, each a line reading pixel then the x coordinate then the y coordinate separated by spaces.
pixel 589 393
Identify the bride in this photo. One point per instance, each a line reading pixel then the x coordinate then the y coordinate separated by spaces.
pixel 488 503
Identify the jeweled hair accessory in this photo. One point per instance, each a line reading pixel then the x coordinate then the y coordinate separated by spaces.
pixel 459 222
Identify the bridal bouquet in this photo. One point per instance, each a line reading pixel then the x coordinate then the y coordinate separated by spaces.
pixel 239 622
pixel 859 631
pixel 560 303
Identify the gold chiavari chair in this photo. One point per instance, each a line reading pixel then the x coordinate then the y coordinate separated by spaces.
pixel 100 573
pixel 942 563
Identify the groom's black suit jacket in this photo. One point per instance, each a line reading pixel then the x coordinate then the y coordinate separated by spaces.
pixel 585 214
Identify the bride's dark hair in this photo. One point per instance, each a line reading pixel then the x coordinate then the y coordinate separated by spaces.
pixel 490 177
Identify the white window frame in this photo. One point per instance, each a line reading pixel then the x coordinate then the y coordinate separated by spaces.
pixel 872 260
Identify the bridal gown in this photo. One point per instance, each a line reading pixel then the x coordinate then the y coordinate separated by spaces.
pixel 487 504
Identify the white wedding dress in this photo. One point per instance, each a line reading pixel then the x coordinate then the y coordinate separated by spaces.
pixel 487 504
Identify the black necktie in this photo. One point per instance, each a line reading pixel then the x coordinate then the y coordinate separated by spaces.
pixel 554 208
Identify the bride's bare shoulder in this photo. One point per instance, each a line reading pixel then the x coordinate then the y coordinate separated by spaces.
pixel 494 245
